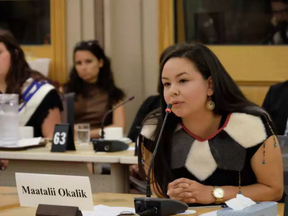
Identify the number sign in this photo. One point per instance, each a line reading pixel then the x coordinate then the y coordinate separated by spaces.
pixel 62 139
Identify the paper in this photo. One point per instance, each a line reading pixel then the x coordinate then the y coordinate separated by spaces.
pixel 131 148
pixel 29 142
pixel 26 143
pixel 127 140
pixel 102 210
pixel 240 202
pixel 187 212
pixel 213 213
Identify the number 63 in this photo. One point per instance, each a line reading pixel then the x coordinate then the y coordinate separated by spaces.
pixel 59 138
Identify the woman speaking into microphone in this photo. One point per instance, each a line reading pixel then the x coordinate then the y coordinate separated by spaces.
pixel 216 143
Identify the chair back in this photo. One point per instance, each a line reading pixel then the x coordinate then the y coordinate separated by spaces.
pixel 67 116
pixel 283 142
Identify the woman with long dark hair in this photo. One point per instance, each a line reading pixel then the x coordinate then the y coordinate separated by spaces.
pixel 40 103
pixel 216 143
pixel 91 79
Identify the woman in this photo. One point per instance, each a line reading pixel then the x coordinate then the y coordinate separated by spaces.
pixel 40 104
pixel 92 81
pixel 216 143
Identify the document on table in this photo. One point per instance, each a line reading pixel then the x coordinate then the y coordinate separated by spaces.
pixel 102 210
pixel 213 213
pixel 25 143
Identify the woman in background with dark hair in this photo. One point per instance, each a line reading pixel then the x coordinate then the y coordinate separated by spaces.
pixel 215 143
pixel 92 81
pixel 40 103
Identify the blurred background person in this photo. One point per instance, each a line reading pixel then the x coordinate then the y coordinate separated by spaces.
pixel 279 29
pixel 276 104
pixel 3 164
pixel 280 21
pixel 91 79
pixel 40 103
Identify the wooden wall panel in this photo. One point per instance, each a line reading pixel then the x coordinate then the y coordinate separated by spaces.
pixel 166 24
pixel 255 93
pixel 254 63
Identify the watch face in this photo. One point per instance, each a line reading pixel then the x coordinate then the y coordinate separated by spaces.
pixel 218 192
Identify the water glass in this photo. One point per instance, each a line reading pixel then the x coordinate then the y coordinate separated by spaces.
pixel 83 134
pixel 9 134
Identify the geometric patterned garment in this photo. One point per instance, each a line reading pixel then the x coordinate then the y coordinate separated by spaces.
pixel 218 159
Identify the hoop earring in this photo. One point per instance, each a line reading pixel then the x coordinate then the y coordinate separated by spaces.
pixel 210 105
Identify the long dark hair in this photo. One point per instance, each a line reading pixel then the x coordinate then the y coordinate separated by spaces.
pixel 165 53
pixel 105 80
pixel 19 70
pixel 227 97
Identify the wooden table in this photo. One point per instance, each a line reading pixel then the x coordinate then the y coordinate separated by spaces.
pixel 8 197
pixel 129 160
pixel 41 160
pixel 11 207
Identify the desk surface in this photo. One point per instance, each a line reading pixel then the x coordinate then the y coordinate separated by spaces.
pixel 129 159
pixel 9 203
pixel 82 154
pixel 8 197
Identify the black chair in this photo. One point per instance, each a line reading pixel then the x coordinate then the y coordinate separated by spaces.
pixel 283 142
pixel 67 115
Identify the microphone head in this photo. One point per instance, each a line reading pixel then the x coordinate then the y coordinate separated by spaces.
pixel 168 109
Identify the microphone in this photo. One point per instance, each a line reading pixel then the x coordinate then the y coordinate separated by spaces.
pixel 110 145
pixel 157 206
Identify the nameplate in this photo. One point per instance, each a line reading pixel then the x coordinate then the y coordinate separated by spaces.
pixel 35 189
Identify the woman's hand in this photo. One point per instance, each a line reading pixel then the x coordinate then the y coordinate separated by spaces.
pixel 134 170
pixel 189 191
pixel 3 164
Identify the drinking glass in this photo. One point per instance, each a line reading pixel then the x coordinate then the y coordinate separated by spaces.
pixel 83 134
pixel 9 134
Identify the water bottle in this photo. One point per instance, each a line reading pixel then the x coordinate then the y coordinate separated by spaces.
pixel 9 134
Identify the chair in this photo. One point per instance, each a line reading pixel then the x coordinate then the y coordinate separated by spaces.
pixel 283 142
pixel 67 116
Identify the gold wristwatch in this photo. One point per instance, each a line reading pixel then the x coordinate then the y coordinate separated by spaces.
pixel 218 193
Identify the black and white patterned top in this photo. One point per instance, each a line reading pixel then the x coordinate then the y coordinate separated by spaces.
pixel 218 159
